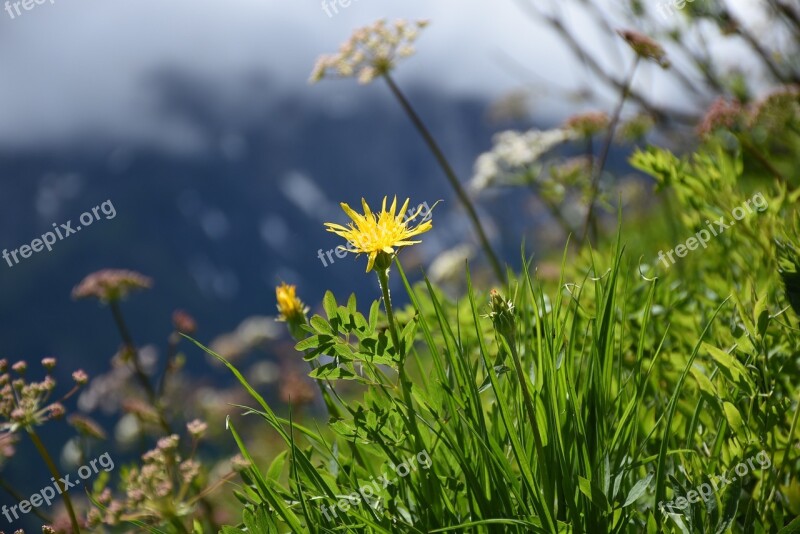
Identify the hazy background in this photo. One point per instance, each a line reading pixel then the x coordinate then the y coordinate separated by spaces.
pixel 196 120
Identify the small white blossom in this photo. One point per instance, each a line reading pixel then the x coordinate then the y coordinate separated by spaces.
pixel 513 155
pixel 370 52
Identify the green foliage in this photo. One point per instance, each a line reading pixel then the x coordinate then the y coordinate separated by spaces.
pixel 576 405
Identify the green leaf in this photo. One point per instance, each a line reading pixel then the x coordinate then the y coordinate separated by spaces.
pixel 407 336
pixel 734 493
pixel 705 385
pixel 373 315
pixel 733 416
pixel 761 316
pixel 638 490
pixel 311 342
pixel 730 367
pixel 332 371
pixel 276 467
pixel 595 494
pixel 791 528
pixel 321 325
pixel 343 351
pixel 329 303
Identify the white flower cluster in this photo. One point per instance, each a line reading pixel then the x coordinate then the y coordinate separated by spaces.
pixel 513 156
pixel 371 51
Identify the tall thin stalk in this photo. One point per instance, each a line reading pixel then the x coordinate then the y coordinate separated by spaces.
pixel 51 466
pixel 19 498
pixel 141 376
pixel 598 170
pixel 450 174
pixel 405 382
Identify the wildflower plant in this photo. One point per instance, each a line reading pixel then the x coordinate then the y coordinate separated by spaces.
pixel 160 489
pixel 26 405
pixel 371 52
pixel 378 234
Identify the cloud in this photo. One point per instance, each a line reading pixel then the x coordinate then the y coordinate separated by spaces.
pixel 75 69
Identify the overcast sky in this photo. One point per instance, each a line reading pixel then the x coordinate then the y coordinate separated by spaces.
pixel 73 66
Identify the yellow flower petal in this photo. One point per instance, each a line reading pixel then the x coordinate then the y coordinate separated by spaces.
pixel 382 232
pixel 403 209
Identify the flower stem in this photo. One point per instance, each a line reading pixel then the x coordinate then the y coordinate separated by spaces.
pixel 405 382
pixel 51 466
pixel 451 175
pixel 590 223
pixel 127 340
pixel 383 279
pixel 19 498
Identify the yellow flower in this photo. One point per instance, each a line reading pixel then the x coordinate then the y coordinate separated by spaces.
pixel 377 235
pixel 290 307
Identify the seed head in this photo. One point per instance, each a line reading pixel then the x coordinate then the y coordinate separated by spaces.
pixel 370 52
pixel 111 285
pixel 588 124
pixel 645 47
pixel 80 377
pixel 197 428
pixel 183 322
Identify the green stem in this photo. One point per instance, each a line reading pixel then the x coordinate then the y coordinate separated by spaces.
pixel 383 279
pixel 51 466
pixel 606 150
pixel 451 176
pixel 405 382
